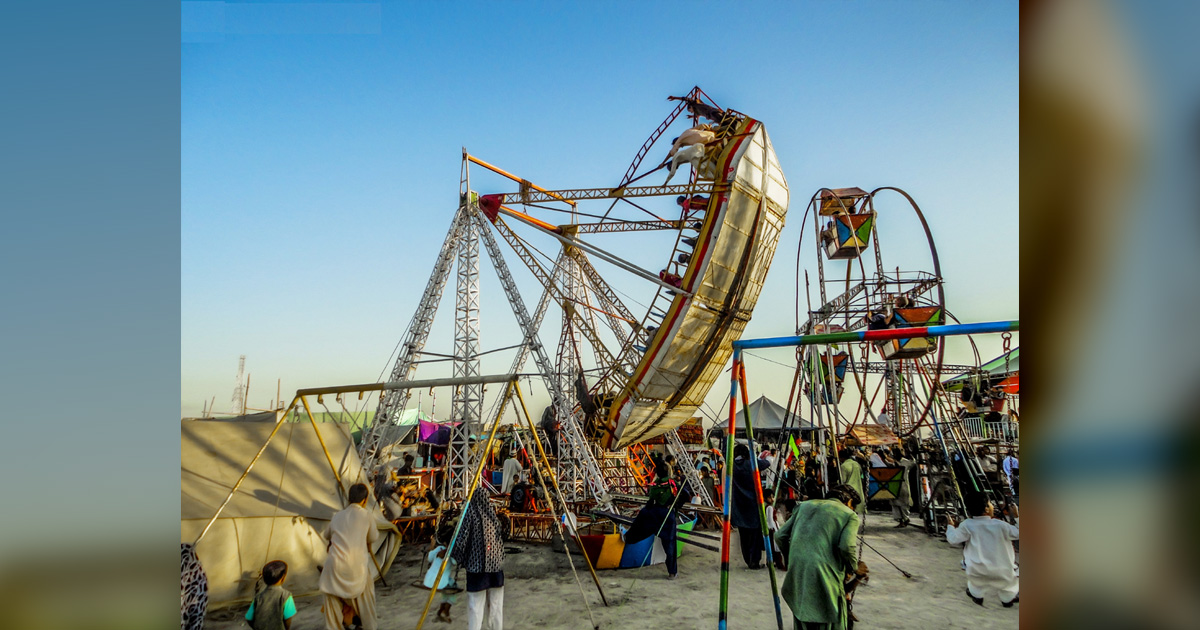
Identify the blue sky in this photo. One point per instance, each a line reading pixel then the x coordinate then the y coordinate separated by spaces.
pixel 321 147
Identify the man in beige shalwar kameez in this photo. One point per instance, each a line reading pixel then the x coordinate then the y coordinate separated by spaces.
pixel 346 576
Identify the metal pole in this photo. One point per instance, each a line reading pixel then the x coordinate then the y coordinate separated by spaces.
pixel 762 507
pixel 727 489
pixel 403 385
pixel 474 485
pixel 537 440
pixel 338 478
pixel 945 330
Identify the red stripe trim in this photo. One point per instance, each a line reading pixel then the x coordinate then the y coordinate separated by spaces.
pixel 895 333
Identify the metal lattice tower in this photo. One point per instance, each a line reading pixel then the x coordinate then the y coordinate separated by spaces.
pixel 566 284
pixel 568 367
pixel 239 388
pixel 570 418
pixel 384 430
pixel 467 405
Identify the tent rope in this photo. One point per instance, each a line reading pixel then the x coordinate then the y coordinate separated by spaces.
pixel 287 451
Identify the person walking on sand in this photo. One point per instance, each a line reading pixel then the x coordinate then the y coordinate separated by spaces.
pixel 346 577
pixel 820 542
pixel 480 550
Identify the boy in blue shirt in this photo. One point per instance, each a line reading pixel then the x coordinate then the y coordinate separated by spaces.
pixel 273 607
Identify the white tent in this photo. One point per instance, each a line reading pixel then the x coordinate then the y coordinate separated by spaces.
pixel 767 415
pixel 279 511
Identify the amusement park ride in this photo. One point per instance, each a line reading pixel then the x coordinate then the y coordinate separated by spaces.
pixel 620 377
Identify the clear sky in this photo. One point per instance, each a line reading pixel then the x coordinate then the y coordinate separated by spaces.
pixel 321 146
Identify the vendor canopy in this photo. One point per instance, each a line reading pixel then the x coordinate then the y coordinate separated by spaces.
pixel 1001 373
pixel 768 415
pixel 279 511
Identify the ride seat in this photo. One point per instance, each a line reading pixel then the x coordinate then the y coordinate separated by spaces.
pixel 914 347
pixel 849 237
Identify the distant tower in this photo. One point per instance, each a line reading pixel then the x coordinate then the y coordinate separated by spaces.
pixel 239 388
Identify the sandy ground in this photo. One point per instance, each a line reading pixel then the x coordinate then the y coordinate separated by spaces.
pixel 540 592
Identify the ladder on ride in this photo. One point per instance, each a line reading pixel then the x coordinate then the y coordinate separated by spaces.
pixel 684 460
pixel 977 479
pixel 624 470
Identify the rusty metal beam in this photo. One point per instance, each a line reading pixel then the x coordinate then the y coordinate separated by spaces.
pixel 623 226
pixel 576 194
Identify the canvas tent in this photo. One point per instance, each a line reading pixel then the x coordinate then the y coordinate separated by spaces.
pixel 281 508
pixel 769 418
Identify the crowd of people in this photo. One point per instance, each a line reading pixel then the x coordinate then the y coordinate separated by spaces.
pixel 814 514
pixel 814 533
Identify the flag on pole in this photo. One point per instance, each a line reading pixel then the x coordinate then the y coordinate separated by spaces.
pixel 792 444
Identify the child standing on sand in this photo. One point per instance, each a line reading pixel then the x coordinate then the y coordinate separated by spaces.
pixel 273 607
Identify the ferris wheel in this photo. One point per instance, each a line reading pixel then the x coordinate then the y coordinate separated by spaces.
pixel 856 288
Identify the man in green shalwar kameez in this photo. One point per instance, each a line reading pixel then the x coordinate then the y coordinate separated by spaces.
pixel 851 474
pixel 820 541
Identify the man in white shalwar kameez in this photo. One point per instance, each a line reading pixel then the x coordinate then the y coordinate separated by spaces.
pixel 346 576
pixel 988 551
pixel 512 470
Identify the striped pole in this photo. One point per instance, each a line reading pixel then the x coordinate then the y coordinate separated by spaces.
pixel 947 330
pixel 727 489
pixel 762 506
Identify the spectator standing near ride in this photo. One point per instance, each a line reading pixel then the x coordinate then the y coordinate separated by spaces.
pixel 435 557
pixel 512 470
pixel 988 552
pixel 768 473
pixel 851 474
pixel 1012 473
pixel 773 524
pixel 346 577
pixel 744 507
pixel 820 542
pixel 407 468
pixel 903 500
pixel 480 550
pixel 710 486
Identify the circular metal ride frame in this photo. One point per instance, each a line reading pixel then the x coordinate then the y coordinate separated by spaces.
pixel 852 294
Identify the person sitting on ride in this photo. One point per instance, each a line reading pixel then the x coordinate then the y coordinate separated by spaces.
pixel 828 234
pixel 878 320
pixel 700 134
pixel 670 278
pixel 518 495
